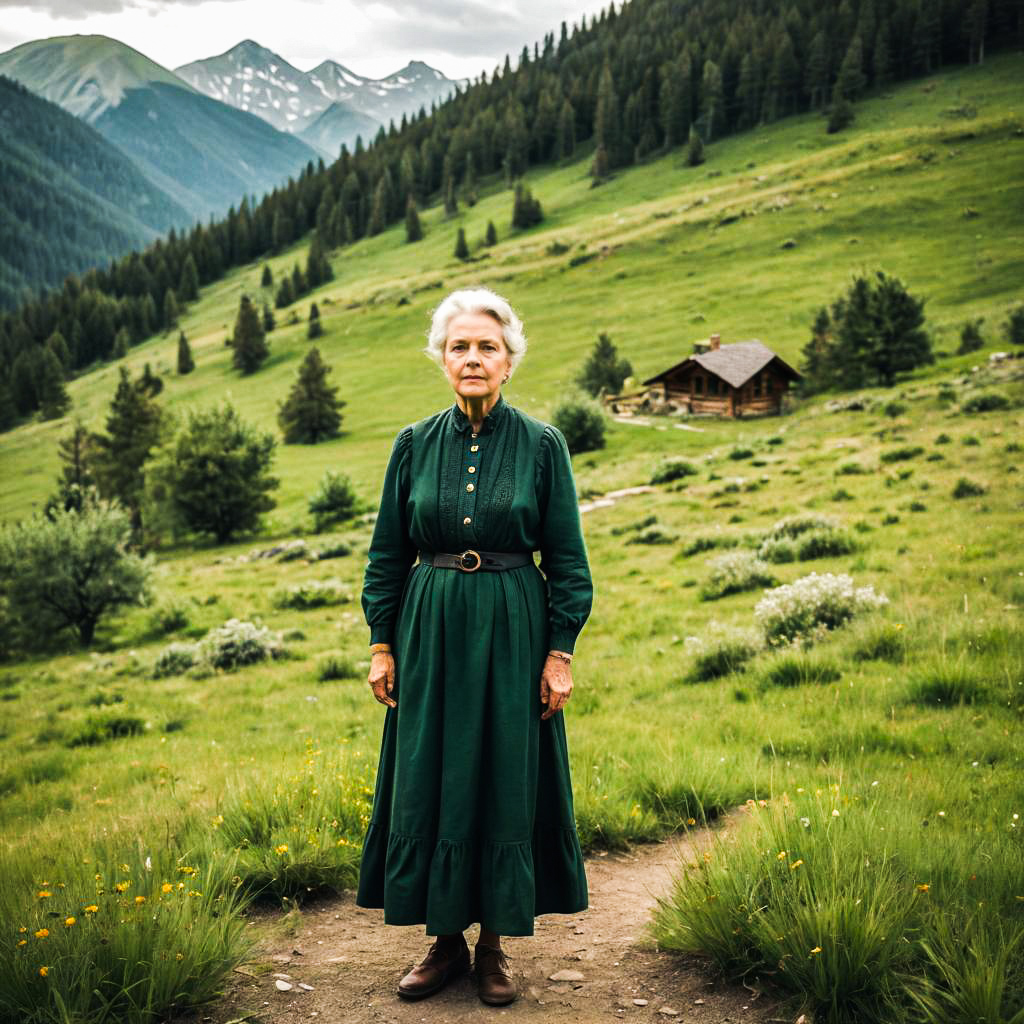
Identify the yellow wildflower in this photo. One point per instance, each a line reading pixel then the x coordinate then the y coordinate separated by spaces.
pixel 782 855
pixel 140 899
pixel 42 933
pixel 923 887
pixel 166 887
pixel 24 942
pixel 44 894
pixel 44 971
pixel 283 848
pixel 795 865
pixel 23 929
pixel 817 949
pixel 68 922
pixel 91 909
pixel 122 886
pixel 691 821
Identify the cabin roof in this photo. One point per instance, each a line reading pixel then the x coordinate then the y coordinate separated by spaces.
pixel 735 363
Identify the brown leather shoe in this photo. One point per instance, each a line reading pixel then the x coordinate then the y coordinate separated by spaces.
pixel 446 959
pixel 494 976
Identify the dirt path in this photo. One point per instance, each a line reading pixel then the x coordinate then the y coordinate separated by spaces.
pixel 352 961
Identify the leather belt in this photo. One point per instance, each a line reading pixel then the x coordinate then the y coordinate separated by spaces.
pixel 470 560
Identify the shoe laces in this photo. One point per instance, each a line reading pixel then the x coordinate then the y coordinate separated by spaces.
pixel 499 954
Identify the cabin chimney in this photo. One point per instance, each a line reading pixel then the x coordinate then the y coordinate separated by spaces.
pixel 714 342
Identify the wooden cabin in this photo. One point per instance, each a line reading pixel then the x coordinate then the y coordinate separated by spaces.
pixel 742 379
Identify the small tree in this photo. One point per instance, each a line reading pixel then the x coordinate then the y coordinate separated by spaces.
pixel 75 452
pixel 122 341
pixel 413 228
pixel 1015 326
pixel 69 569
pixel 188 285
pixel 213 477
pixel 248 339
pixel 170 309
pixel 311 412
pixel 334 502
pixel 599 166
pixel 970 337
pixel 461 248
pixel 285 293
pixel 186 364
pixel 315 327
pixel 54 399
pixel 267 281
pixel 581 420
pixel 695 148
pixel 269 323
pixel 526 211
pixel 840 116
pixel 603 371
pixel 491 235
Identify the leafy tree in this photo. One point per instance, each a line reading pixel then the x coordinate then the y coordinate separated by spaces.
pixel 311 412
pixel 249 339
pixel 66 570
pixel 413 228
pixel 186 364
pixel 267 281
pixel 133 428
pixel 491 235
pixel 213 477
pixel 604 371
pixel 695 148
pixel 315 327
pixel 335 501
pixel 581 420
pixel 461 248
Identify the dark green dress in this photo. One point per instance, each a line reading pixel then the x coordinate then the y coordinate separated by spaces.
pixel 472 812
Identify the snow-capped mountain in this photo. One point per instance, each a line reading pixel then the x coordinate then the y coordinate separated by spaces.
pixel 259 81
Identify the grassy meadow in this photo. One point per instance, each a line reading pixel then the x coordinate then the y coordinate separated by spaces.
pixel 876 872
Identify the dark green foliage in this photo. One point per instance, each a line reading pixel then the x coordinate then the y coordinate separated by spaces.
pixel 461 248
pixel 249 339
pixel 988 402
pixel 335 501
pixel 337 666
pixel 604 371
pixel 944 684
pixel 413 228
pixel 970 337
pixel 740 452
pixel 800 670
pixel 901 454
pixel 105 726
pixel 582 422
pixel 121 343
pixel 285 293
pixel 188 284
pixel 1015 326
pixel 311 412
pixel 214 477
pixel 695 148
pixel 75 451
pixel 269 323
pixel 68 569
pixel 267 280
pixel 894 410
pixel 491 235
pixel 966 488
pixel 170 310
pixel 874 331
pixel 185 362
pixel 54 399
pixel 316 329
pixel 840 116
pixel 318 267
pixel 526 211
pixel 673 469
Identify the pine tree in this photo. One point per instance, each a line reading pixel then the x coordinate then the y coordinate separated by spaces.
pixel 285 293
pixel 59 347
pixel 267 281
pixel 927 35
pixel 816 72
pixel 881 58
pixel 599 166
pixel 379 212
pixel 566 131
pixel 188 285
pixel 315 327
pixel 413 228
pixel 607 133
pixel 318 267
pixel 248 341
pixel 451 202
pixel 469 182
pixel 311 412
pixel 461 248
pixel 75 451
pixel 491 236
pixel 299 283
pixel 695 148
pixel 526 211
pixel 816 368
pixel 170 310
pixel 841 115
pixel 269 323
pixel 711 92
pixel 604 371
pixel 54 399
pixel 186 364
pixel 121 340
pixel 851 82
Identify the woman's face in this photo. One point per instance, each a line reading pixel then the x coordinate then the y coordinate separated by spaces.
pixel 476 358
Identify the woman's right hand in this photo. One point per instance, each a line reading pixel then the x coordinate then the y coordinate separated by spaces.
pixel 382 677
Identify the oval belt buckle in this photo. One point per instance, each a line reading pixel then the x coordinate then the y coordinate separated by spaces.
pixel 470 568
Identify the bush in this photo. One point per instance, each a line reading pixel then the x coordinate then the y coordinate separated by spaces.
pixel 311 594
pixel 735 572
pixel 239 643
pixel 168 617
pixel 335 501
pixel 894 410
pixel 337 666
pixel 673 469
pixel 68 570
pixel 337 549
pixel 175 660
pixel 103 726
pixel 943 439
pixel 812 605
pixel 653 535
pixel 741 452
pixel 828 543
pixel 802 522
pixel 989 402
pixel 968 488
pixel 1015 326
pixel 709 543
pixel 901 454
pixel 720 651
pixel 582 423
pixel 970 337
pixel 778 550
pixel 851 469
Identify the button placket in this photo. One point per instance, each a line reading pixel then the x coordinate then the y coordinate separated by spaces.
pixel 471 464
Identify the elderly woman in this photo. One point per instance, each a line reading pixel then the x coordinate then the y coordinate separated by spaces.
pixel 472 815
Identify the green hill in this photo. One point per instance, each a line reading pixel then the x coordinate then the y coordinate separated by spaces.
pixel 897 738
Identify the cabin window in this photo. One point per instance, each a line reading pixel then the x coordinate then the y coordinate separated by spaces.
pixel 698 385
pixel 767 386
pixel 757 387
pixel 712 385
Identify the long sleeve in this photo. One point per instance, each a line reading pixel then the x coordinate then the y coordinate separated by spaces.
pixel 392 551
pixel 563 555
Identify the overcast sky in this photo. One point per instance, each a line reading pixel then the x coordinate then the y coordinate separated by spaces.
pixel 458 37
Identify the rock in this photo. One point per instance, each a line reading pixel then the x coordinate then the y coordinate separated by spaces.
pixel 639 1002
pixel 309 988
pixel 698 1002
pixel 566 975
pixel 669 1011
pixel 283 986
pixel 283 977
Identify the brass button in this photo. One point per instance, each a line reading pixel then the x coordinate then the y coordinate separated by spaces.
pixel 474 447
pixel 472 469
pixel 469 487
pixel 466 521
pixel 472 435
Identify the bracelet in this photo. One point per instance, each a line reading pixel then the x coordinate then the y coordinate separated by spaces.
pixel 380 648
pixel 561 657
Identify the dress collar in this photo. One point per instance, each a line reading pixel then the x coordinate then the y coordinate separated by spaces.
pixel 461 421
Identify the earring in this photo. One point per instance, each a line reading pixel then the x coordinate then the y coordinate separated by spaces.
pixel 504 380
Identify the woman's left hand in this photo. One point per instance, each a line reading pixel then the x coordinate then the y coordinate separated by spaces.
pixel 555 685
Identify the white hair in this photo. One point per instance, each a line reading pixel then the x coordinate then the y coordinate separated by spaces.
pixel 476 300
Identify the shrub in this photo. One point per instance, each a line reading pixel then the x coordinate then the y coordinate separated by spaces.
pixel 673 469
pixel 851 469
pixel 968 488
pixel 802 522
pixel 735 572
pixel 894 409
pixel 842 494
pixel 617 531
pixel 720 651
pixel 68 570
pixel 335 501
pixel 239 643
pixel 901 454
pixel 1015 326
pixel 777 549
pixel 582 423
pixel 970 337
pixel 337 549
pixel 337 666
pixel 943 439
pixel 175 659
pixel 311 594
pixel 103 726
pixel 709 543
pixel 827 543
pixel 653 535
pixel 168 617
pixel 811 605
pixel 988 402
pixel 797 669
pixel 741 452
